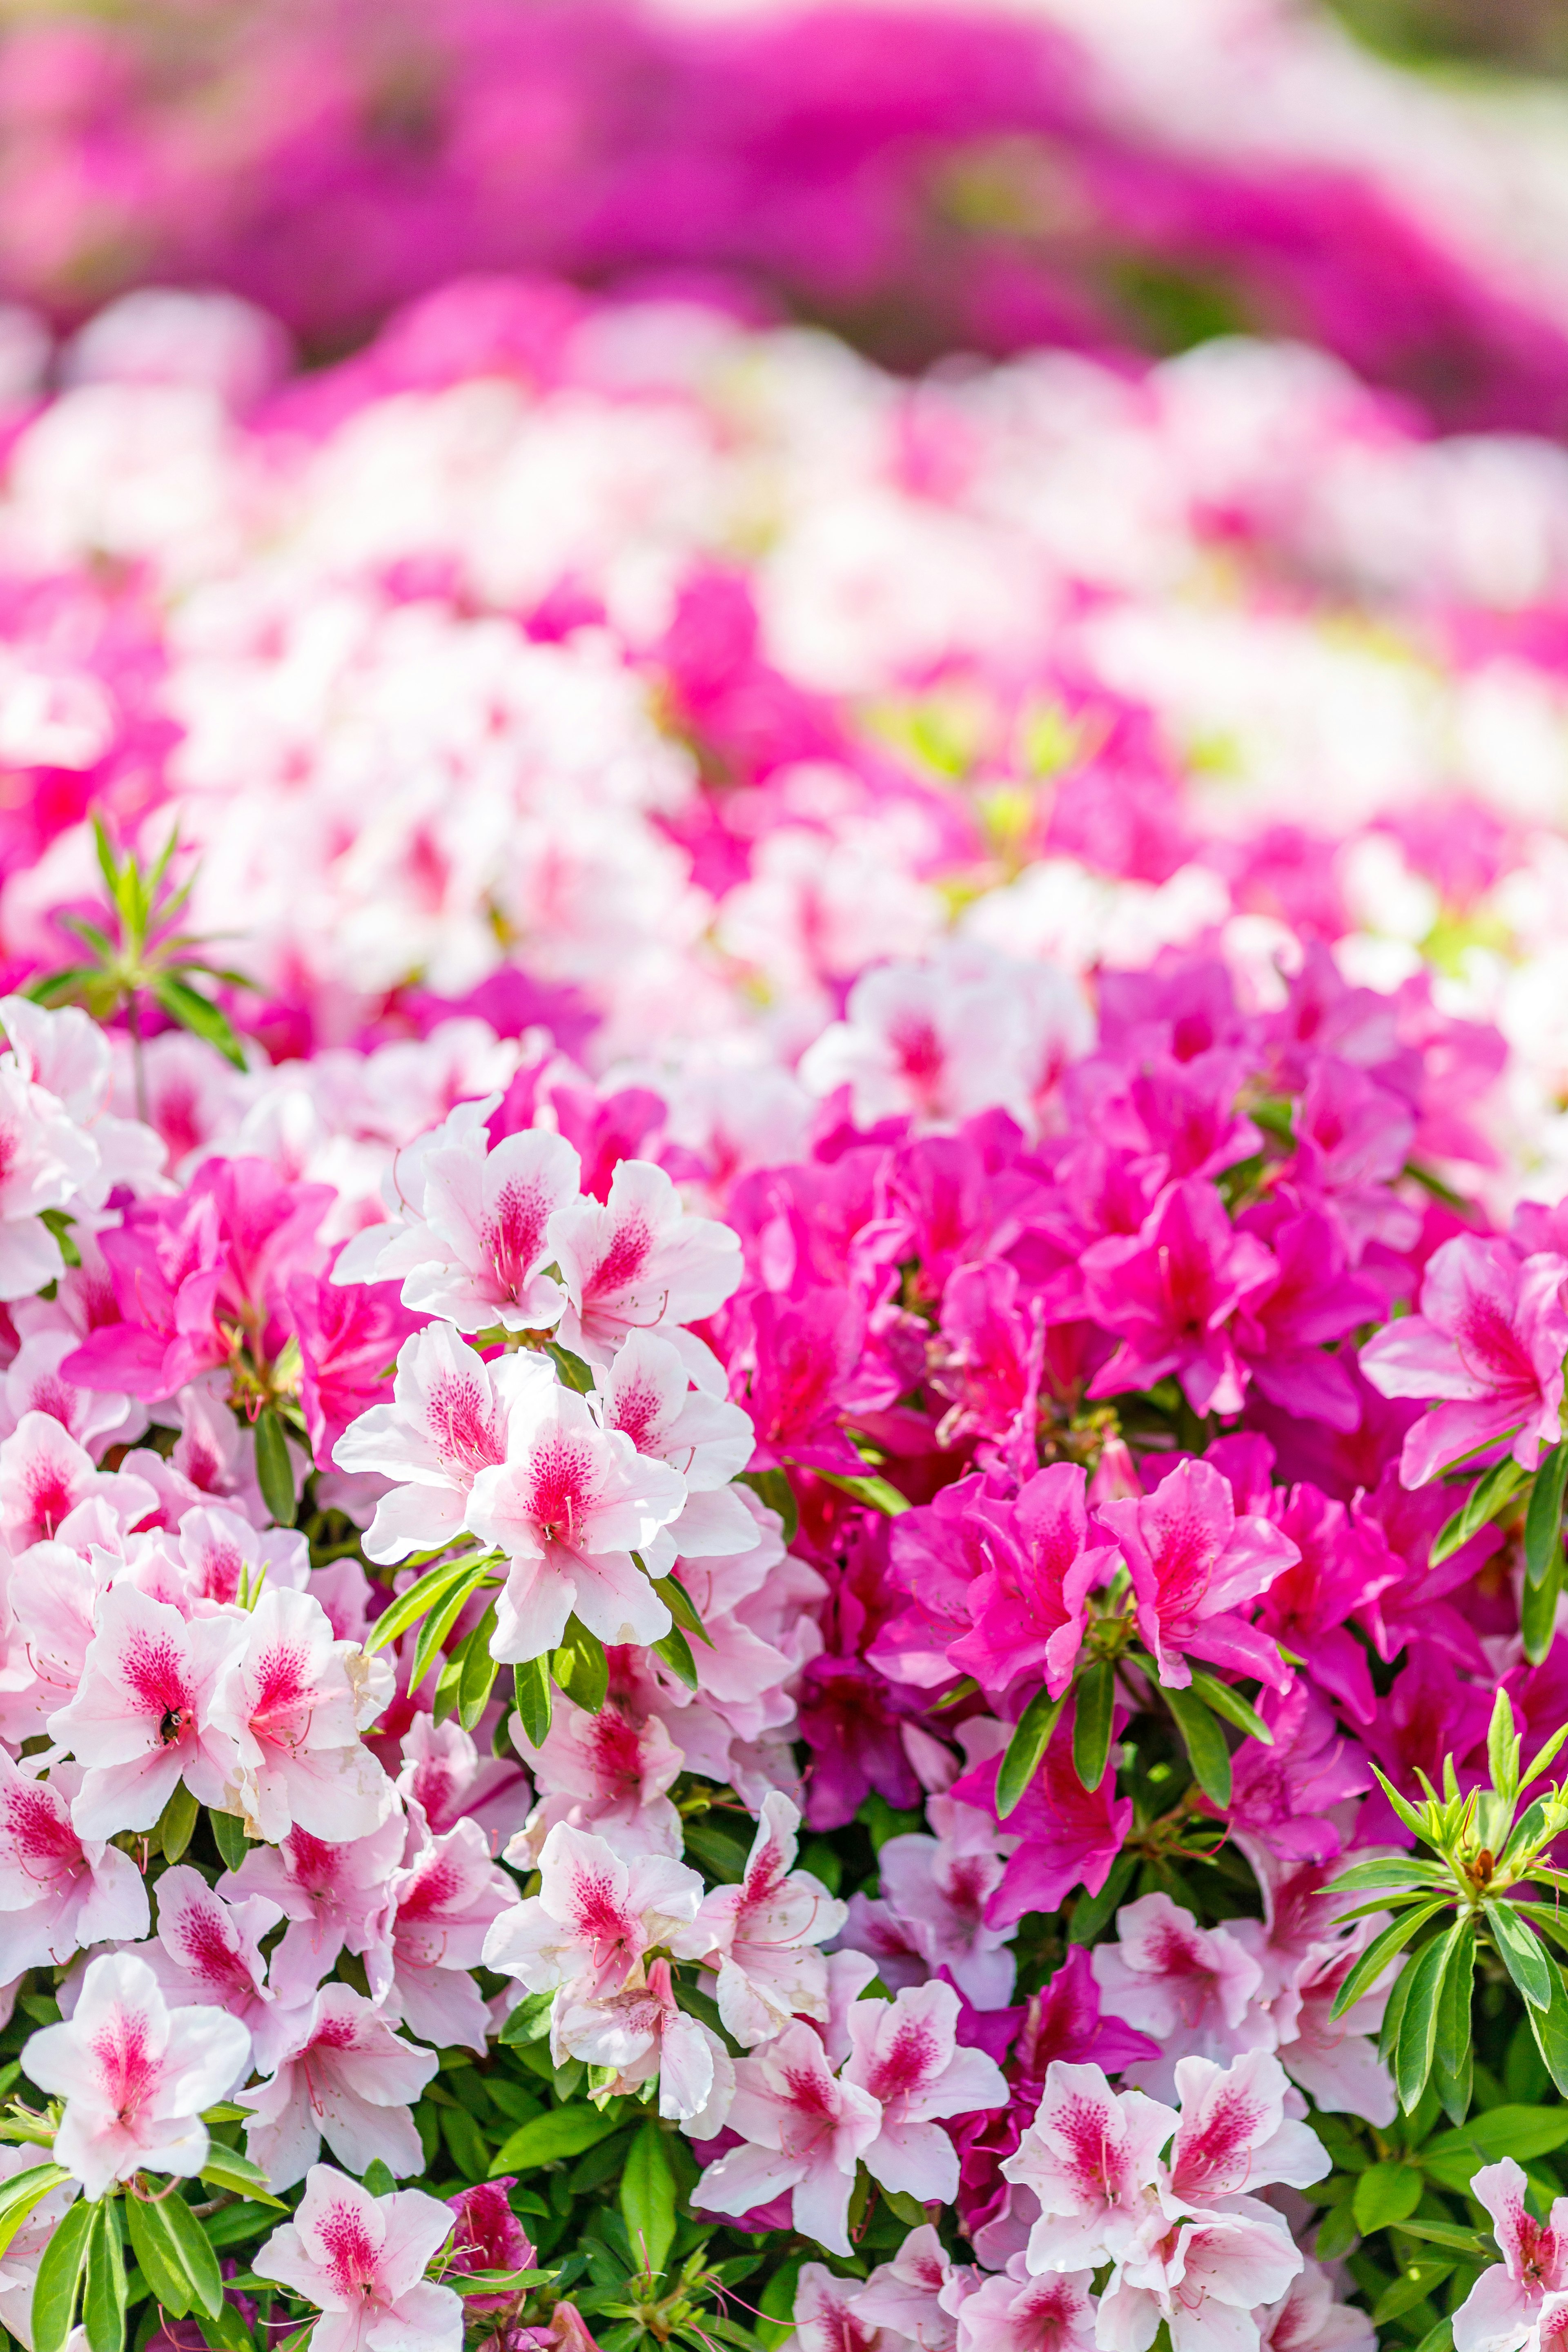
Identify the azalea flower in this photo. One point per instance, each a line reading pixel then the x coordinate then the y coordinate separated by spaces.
pixel 1091 2157
pixel 361 2260
pixel 594 1917
pixel 762 1934
pixel 1509 2301
pixel 1192 1988
pixel 431 1933
pixel 804 2131
pixel 639 1262
pixel 905 2053
pixel 134 2075
pixel 59 1891
pixel 343 2076
pixel 146 1713
pixel 293 1703
pixel 1192 1557
pixel 208 1954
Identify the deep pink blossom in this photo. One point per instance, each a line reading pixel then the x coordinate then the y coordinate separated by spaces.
pixel 1193 1557
pixel 1168 1293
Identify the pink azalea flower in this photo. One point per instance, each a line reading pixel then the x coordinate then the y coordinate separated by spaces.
pixel 1028 1603
pixel 487 2236
pixel 444 1774
pixel 474 1238
pixel 1334 2059
pixel 1308 2319
pixel 1192 1557
pixel 647 1395
pixel 804 2131
pixel 347 1337
pixel 1192 1987
pixel 208 1954
pixel 1505 2306
pixel 1015 2313
pixel 1066 1835
pixel 19 2262
pixel 1234 2135
pixel 761 1935
pixel 914 2296
pixel 1179 2272
pixel 569 1506
pixel 446 1423
pixel 1488 1342
pixel 144 1717
pixel 639 1262
pixel 343 2076
pixel 1091 2157
pixel 905 2053
pixel 930 1914
pixel 641 2032
pixel 593 1917
pixel 332 1894
pixel 32 1383
pixel 46 1159
pixel 361 2260
pixel 439 1906
pixel 828 2316
pixel 293 1703
pixel 134 2075
pixel 59 1891
pixel 45 1474
pixel 1169 1292
pixel 606 1773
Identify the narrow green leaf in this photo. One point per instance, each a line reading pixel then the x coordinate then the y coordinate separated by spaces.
pixel 1090 1911
pixel 196 2257
pixel 648 2197
pixel 580 1669
pixel 1407 1811
pixel 59 2277
pixel 22 2192
pixel 1522 1951
pixel 1205 1744
pixel 1453 2053
pixel 878 1494
pixel 1543 1757
pixel 773 1488
pixel 274 1468
pixel 157 2253
pixel 59 987
pixel 421 1596
pixel 532 1686
pixel 1418 2026
pixel 1378 1954
pixel 227 2168
pixel 1448 2233
pixel 574 1373
pixel 1543 1519
pixel 1222 1699
pixel 529 2022
pixel 1538 1611
pixel 479 1670
pixel 1094 1699
pixel 1491 1490
pixel 1388 1871
pixel 229 1836
pixel 562 2132
pixel 1031 1737
pixel 435 1633
pixel 199 1014
pixel 676 1652
pixel 1420 2278
pixel 1549 2026
pixel 683 1609
pixel 177 1823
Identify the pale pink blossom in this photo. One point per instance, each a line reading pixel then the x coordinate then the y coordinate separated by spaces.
pixel 45 1473
pixel 1204 2278
pixel 639 1261
pixel 144 1716
pixel 646 1394
pixel 32 1383
pixel 333 1894
pixel 917 2297
pixel 763 1934
pixel 1234 2135
pixel 46 1161
pixel 1011 2312
pixel 208 1954
pixel 444 1773
pixel 1194 1988
pixel 1091 2157
pixel 1334 2059
pixel 828 2316
pixel 135 2075
pixel 1505 2306
pixel 361 2260
pixel 641 2032
pixel 569 1506
pixel 931 1913
pixel 606 1773
pixel 225 1556
pixel 59 1891
pixel 1308 2319
pixel 905 2052
pixel 593 1917
pixel 293 1703
pixel 446 1423
pixel 804 2131
pixel 439 1906
pixel 343 2076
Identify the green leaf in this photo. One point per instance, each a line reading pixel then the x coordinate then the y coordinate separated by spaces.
pixel 564 2131
pixel 676 1652
pixel 574 1373
pixel 422 1595
pixel 1387 1872
pixel 175 1823
pixel 1420 2277
pixel 157 2252
pixel 580 1669
pixel 878 1493
pixel 1452 2158
pixel 103 2286
pixel 274 1470
pixel 1407 1814
pixel 772 1487
pixel 1538 1611
pixel 1031 1737
pixel 1550 2028
pixel 1384 2193
pixel 529 2022
pixel 1418 2026
pixel 1521 1952
pixel 199 1014
pixel 1094 1698
pixel 776 2305
pixel 1378 1954
pixel 1205 1744
pixel 1090 1911
pixel 479 1670
pixel 1448 2233
pixel 229 1836
pixel 22 2192
pixel 197 2258
pixel 436 1631
pixel 1222 1699
pixel 225 2169
pixel 1543 1519
pixel 59 2277
pixel 531 1684
pixel 1491 1490
pixel 683 1609
pixel 1439 2339
pixel 648 2197
pixel 1453 2052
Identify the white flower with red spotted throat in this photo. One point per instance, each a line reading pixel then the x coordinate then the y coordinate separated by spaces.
pixel 361 2260
pixel 293 1703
